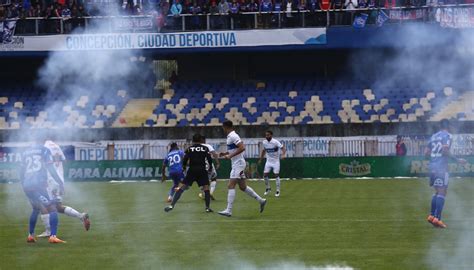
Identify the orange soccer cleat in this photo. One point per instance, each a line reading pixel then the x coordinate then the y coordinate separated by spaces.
pixel 440 224
pixel 31 239
pixel 86 221
pixel 54 240
pixel 430 219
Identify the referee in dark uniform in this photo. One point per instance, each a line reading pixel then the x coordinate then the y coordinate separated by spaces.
pixel 196 155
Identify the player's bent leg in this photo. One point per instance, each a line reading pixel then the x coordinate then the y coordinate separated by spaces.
pixel 213 187
pixel 247 189
pixel 268 189
pixel 176 197
pixel 230 198
pixel 277 180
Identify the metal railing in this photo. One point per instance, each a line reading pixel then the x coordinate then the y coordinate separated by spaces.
pixel 337 147
pixel 207 22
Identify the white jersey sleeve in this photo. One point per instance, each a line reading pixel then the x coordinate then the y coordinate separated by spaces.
pixel 211 149
pixel 233 139
pixel 58 159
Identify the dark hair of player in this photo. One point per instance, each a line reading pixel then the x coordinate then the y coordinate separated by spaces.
pixel 269 131
pixel 228 124
pixel 173 146
pixel 203 138
pixel 444 124
pixel 197 138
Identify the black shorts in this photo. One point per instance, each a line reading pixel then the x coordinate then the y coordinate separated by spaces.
pixel 201 177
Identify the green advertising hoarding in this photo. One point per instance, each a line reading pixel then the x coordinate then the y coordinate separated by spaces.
pixel 324 167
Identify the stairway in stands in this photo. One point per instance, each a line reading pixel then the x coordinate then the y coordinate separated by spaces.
pixel 136 112
pixel 464 104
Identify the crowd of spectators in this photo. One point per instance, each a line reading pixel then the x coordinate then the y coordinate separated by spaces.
pixel 167 12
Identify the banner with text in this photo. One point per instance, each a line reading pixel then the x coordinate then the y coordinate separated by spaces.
pixel 456 17
pixel 133 41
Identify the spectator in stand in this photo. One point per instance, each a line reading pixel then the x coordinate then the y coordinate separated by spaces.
pixel 266 7
pixel 350 5
pixel 176 10
pixel 223 12
pixel 277 16
pixel 400 147
pixel 66 15
pixel 251 6
pixel 195 9
pixel 289 16
pixel 338 15
pixel 301 7
pixel 324 5
pixel 214 11
pixel 313 7
pixel 137 10
pixel 234 13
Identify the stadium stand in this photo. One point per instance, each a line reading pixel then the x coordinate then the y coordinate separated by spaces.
pixel 27 107
pixel 271 101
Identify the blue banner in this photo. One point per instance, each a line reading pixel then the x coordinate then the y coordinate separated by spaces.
pixel 382 17
pixel 360 20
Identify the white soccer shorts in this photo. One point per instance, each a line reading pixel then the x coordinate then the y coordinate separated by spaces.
pixel 272 166
pixel 238 170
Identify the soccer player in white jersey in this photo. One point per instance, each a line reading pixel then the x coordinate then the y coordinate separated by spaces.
pixel 213 174
pixel 235 152
pixel 53 191
pixel 272 147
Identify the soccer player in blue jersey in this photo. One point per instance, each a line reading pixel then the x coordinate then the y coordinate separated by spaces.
pixel 174 160
pixel 438 151
pixel 37 161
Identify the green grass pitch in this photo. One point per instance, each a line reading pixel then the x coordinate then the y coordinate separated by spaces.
pixel 359 224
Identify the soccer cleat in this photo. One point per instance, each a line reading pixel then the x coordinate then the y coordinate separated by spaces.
pixel 262 205
pixel 225 213
pixel 168 208
pixel 267 191
pixel 86 221
pixel 45 234
pixel 434 222
pixel 31 239
pixel 440 224
pixel 430 219
pixel 277 194
pixel 54 240
pixel 209 210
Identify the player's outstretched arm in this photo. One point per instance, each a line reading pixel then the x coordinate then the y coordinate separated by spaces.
pixel 262 155
pixel 215 157
pixel 240 149
pixel 163 174
pixel 283 152
pixel 55 175
pixel 209 160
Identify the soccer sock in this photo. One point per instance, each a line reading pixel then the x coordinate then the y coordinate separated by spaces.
pixel 45 219
pixel 173 190
pixel 213 186
pixel 207 197
pixel 230 199
pixel 439 206
pixel 72 212
pixel 253 194
pixel 176 196
pixel 267 182
pixel 33 219
pixel 278 183
pixel 53 221
pixel 433 204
